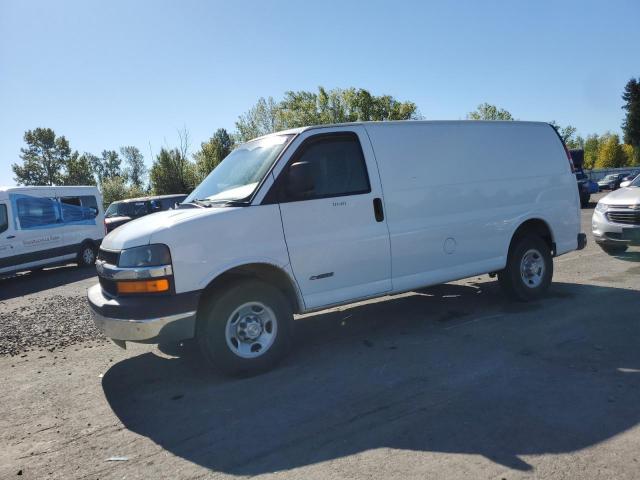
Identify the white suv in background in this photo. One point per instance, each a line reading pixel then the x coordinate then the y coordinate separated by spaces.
pixel 616 220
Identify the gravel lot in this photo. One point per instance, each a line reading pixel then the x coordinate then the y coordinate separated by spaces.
pixel 448 382
pixel 48 319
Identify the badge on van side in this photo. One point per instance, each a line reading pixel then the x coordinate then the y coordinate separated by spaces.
pixel 322 275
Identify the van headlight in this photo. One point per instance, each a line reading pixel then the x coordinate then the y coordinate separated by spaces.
pixel 601 207
pixel 146 256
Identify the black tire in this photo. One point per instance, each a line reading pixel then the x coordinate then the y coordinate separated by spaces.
pixel 217 312
pixel 86 255
pixel 511 279
pixel 613 249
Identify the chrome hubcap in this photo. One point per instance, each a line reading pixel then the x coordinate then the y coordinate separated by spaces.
pixel 532 268
pixel 251 329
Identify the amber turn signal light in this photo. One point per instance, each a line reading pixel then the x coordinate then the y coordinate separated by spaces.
pixel 144 286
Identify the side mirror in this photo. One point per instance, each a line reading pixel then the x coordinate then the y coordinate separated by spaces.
pixel 300 180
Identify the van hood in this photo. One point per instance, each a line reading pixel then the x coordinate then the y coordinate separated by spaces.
pixel 139 231
pixel 623 196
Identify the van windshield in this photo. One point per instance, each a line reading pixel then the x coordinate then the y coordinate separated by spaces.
pixel 239 174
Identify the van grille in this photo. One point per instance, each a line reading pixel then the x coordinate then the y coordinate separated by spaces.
pixel 109 256
pixel 628 218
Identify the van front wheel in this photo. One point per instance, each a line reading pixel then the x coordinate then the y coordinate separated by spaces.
pixel 529 269
pixel 246 328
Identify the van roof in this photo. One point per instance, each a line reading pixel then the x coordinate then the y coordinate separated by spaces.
pixel 46 187
pixel 402 122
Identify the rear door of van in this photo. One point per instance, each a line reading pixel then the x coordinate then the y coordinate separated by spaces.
pixel 337 236
pixel 79 215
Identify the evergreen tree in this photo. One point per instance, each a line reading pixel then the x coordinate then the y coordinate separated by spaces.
pixel 78 170
pixel 43 159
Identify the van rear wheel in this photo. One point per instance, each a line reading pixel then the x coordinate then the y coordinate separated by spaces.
pixel 86 255
pixel 529 269
pixel 245 329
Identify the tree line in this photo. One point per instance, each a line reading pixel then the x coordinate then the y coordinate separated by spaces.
pixel 47 159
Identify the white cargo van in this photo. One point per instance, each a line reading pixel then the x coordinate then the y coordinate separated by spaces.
pixel 320 216
pixel 43 226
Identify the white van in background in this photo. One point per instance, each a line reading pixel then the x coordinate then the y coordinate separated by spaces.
pixel 43 226
pixel 321 216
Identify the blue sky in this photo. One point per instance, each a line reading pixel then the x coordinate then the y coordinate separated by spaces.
pixel 106 74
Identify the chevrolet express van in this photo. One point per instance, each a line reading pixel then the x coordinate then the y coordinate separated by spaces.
pixel 44 226
pixel 316 217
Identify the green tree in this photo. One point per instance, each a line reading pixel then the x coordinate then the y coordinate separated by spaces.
pixel 610 153
pixel 108 166
pixel 43 159
pixel 212 152
pixel 486 111
pixel 631 158
pixel 113 189
pixel 111 164
pixel 301 108
pixel 172 172
pixel 631 124
pixel 135 170
pixel 591 147
pixel 116 188
pixel 568 135
pixel 576 142
pixel 261 119
pixel 78 170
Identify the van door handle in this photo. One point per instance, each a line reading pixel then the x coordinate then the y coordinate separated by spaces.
pixel 377 209
pixel 10 237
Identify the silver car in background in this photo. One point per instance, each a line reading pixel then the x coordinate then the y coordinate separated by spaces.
pixel 616 220
pixel 629 180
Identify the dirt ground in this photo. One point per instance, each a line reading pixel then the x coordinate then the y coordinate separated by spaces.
pixel 447 382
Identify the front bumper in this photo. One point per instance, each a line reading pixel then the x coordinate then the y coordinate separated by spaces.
pixel 144 319
pixel 606 232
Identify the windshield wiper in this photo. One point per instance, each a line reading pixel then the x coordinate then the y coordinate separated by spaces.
pixel 196 202
pixel 204 203
pixel 228 203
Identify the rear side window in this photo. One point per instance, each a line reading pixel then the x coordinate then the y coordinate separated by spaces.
pixel 337 164
pixel 36 212
pixel 4 219
pixel 90 202
pixel 73 209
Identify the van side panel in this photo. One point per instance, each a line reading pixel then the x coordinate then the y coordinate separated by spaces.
pixel 456 191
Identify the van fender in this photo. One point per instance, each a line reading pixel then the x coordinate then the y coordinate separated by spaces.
pixel 521 220
pixel 245 261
